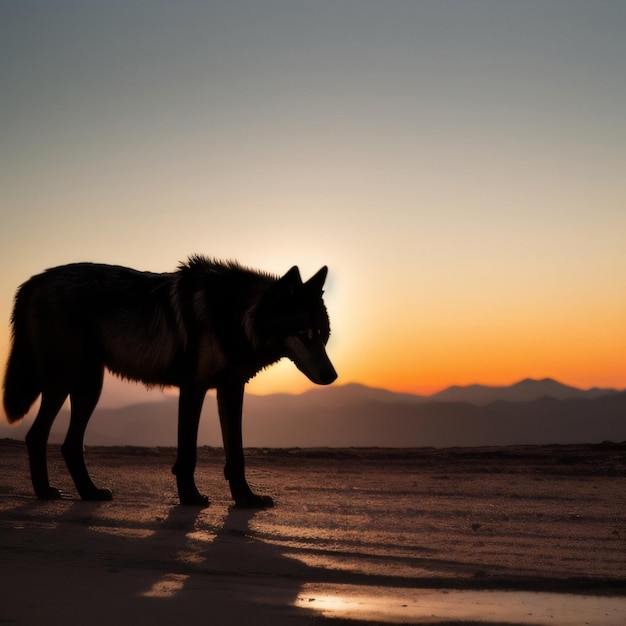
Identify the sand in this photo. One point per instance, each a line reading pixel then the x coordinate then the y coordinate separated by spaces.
pixel 526 535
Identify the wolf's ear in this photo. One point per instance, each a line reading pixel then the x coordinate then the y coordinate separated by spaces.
pixel 290 281
pixel 316 282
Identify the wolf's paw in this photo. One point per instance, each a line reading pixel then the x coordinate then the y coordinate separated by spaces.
pixel 196 499
pixel 97 495
pixel 49 493
pixel 252 501
pixel 245 498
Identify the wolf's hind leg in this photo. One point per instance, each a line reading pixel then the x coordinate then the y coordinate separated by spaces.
pixel 83 400
pixel 37 439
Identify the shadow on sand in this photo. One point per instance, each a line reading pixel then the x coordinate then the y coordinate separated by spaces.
pixel 75 562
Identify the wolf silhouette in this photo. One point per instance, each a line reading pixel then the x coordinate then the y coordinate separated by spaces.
pixel 207 325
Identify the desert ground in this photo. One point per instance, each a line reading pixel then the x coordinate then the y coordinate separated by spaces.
pixel 530 535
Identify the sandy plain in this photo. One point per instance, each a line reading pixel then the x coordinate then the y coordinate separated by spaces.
pixel 508 536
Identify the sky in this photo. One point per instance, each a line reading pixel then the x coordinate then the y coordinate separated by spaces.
pixel 460 167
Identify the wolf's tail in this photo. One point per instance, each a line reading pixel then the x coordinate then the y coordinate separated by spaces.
pixel 21 380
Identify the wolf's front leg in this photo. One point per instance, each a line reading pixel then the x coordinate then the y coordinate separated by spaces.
pixel 189 409
pixel 230 406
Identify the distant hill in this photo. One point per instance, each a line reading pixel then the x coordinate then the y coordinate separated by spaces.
pixel 385 423
pixel 523 391
pixel 529 412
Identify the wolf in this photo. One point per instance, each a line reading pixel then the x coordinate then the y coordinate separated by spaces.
pixel 206 325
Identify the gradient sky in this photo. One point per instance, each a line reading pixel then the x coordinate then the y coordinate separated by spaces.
pixel 459 166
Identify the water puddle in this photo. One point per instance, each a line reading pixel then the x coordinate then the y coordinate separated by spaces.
pixel 405 606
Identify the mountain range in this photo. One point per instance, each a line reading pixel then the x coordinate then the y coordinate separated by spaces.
pixel 528 412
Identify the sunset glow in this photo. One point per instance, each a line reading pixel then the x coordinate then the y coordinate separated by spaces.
pixel 458 166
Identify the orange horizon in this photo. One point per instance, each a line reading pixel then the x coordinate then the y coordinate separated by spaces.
pixel 426 389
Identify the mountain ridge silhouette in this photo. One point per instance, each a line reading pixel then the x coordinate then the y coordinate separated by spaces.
pixel 355 415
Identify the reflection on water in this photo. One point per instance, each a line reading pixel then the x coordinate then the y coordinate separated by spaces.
pixel 398 606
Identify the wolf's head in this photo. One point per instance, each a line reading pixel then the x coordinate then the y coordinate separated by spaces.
pixel 292 321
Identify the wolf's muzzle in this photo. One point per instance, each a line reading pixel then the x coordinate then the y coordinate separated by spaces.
pixel 309 356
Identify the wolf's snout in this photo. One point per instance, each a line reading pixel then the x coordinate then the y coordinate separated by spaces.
pixel 311 359
pixel 326 377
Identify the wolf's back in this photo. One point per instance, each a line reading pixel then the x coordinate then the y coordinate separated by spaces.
pixel 21 381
